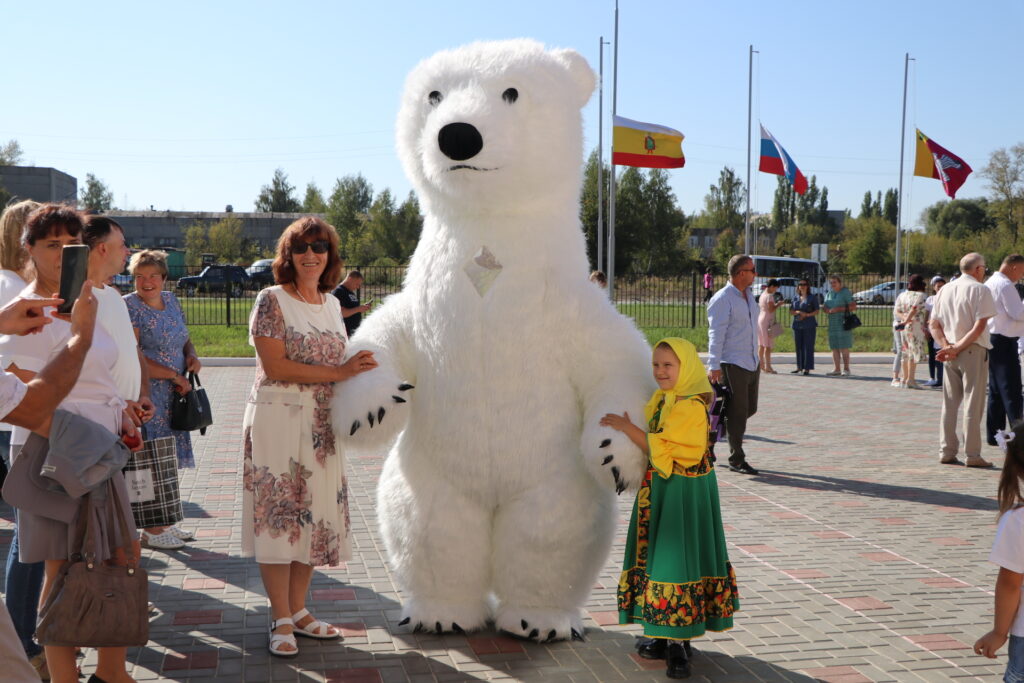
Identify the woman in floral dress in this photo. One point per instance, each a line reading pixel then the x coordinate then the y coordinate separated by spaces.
pixel 911 312
pixel 295 503
pixel 163 337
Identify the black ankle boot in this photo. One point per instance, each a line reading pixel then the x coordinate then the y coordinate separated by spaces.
pixel 651 648
pixel 677 664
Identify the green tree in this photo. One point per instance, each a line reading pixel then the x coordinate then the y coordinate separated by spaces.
pixel 958 219
pixel 867 209
pixel 197 243
pixel 95 195
pixel 784 206
pixel 10 153
pixel 278 196
pixel 868 245
pixel 589 207
pixel 658 247
pixel 347 210
pixel 723 202
pixel 1005 174
pixel 408 228
pixel 891 205
pixel 632 219
pixel 726 247
pixel 314 201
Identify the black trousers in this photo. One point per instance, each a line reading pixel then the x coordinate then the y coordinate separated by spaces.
pixel 741 405
pixel 1004 385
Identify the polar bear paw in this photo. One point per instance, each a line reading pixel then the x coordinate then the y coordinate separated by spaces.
pixel 542 625
pixel 438 616
pixel 362 404
pixel 613 459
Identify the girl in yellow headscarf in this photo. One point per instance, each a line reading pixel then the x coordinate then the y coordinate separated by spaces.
pixel 677 580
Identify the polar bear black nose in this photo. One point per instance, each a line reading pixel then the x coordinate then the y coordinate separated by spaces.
pixel 460 141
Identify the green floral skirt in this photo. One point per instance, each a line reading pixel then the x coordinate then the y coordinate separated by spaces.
pixel 677 580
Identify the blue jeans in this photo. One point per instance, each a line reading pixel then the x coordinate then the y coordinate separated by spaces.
pixel 1015 664
pixel 803 339
pixel 23 582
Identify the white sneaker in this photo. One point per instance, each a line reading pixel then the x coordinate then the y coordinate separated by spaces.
pixel 178 532
pixel 846 373
pixel 896 383
pixel 162 541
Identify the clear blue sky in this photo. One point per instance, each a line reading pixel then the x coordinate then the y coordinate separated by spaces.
pixel 191 106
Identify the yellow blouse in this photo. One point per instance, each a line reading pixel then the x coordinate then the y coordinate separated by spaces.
pixel 682 438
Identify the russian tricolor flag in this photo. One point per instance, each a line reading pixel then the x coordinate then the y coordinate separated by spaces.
pixel 775 160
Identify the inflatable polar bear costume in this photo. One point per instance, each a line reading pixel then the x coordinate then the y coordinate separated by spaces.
pixel 498 499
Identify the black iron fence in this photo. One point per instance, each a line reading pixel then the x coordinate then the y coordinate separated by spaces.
pixel 224 295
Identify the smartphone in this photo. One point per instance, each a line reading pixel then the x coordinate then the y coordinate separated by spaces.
pixel 368 302
pixel 74 267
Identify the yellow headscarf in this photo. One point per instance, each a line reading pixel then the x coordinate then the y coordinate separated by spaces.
pixel 685 440
pixel 693 379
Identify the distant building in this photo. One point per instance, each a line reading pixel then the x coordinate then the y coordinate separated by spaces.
pixel 154 229
pixel 39 183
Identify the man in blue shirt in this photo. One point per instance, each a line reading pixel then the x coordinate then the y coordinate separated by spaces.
pixel 732 353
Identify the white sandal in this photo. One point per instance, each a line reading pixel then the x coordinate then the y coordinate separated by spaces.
pixel 320 630
pixel 279 639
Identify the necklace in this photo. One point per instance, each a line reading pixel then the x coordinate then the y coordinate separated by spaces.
pixel 315 310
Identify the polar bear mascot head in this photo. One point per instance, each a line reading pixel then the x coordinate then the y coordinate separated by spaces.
pixel 495 126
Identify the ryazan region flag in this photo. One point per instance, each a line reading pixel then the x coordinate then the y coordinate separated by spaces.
pixel 935 161
pixel 646 145
pixel 775 160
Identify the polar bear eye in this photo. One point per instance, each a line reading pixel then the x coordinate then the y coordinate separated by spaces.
pixel 435 98
pixel 510 95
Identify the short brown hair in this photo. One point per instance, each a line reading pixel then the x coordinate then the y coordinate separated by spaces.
pixel 51 219
pixel 737 262
pixel 149 257
pixel 916 283
pixel 1013 259
pixel 97 229
pixel 302 229
pixel 12 251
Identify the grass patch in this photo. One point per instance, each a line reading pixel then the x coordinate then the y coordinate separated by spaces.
pixel 220 341
pixel 875 339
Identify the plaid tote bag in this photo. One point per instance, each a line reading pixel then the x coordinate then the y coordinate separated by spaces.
pixel 151 476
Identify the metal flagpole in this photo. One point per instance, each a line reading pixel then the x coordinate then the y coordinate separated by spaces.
pixel 599 232
pixel 611 183
pixel 903 139
pixel 750 123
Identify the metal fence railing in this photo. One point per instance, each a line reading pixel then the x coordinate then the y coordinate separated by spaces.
pixel 224 295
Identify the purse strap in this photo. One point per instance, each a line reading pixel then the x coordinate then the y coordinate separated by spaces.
pixel 193 379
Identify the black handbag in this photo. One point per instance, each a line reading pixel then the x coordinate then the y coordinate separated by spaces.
pixel 151 476
pixel 96 604
pixel 191 411
pixel 850 320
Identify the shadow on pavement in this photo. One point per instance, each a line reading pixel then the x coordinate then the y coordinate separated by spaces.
pixel 911 494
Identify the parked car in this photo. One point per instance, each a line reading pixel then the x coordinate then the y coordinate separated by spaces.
pixel 884 293
pixel 216 279
pixel 787 289
pixel 260 273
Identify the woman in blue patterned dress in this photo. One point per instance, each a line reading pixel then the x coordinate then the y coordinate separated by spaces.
pixel 163 337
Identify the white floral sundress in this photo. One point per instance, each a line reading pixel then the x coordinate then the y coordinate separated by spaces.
pixel 295 502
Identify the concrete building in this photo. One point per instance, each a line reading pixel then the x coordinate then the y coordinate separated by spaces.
pixel 39 183
pixel 167 228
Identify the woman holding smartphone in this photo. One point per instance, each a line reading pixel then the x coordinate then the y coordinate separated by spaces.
pixel 94 396
pixel 805 327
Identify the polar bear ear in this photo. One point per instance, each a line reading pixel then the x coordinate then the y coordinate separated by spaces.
pixel 581 73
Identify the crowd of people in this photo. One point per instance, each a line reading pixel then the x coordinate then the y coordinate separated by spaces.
pixel 116 365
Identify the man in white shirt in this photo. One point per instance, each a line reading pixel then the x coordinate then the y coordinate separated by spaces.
pixel 107 256
pixel 32 406
pixel 959 326
pixel 1005 401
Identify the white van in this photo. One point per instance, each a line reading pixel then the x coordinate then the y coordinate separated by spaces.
pixel 788 270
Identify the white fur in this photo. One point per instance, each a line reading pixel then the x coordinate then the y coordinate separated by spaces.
pixel 498 483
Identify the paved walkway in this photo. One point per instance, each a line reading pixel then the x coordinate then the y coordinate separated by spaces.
pixel 859 558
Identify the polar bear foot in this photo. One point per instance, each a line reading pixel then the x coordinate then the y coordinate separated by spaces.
pixel 539 624
pixel 440 616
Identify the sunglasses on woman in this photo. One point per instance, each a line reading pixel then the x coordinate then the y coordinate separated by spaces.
pixel 318 247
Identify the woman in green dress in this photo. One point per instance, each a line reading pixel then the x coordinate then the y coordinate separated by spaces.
pixel 677 581
pixel 838 302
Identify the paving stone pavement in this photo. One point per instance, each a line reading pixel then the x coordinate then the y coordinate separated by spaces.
pixel 859 558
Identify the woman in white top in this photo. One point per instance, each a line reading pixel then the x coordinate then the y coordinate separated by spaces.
pixel 94 396
pixel 295 500
pixel 24 581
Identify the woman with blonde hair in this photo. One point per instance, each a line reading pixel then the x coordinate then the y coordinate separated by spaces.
pixel 23 581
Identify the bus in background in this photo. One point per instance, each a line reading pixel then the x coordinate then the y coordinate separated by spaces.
pixel 788 271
